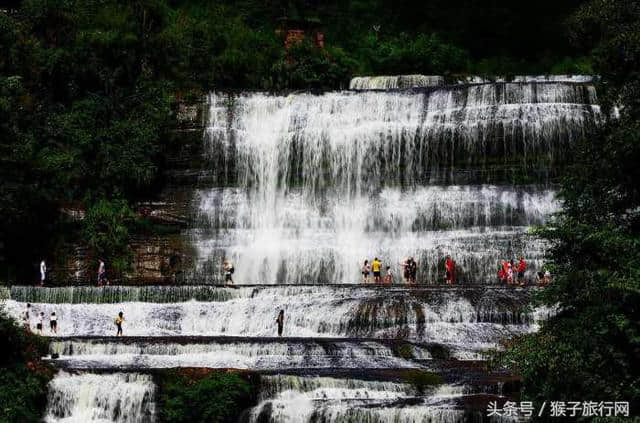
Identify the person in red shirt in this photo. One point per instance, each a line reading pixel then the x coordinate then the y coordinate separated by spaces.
pixel 505 270
pixel 448 267
pixel 522 266
pixel 501 274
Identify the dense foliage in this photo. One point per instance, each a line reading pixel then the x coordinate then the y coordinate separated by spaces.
pixel 591 349
pixel 23 378
pixel 193 396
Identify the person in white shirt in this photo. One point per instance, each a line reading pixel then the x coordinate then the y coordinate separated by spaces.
pixel 43 272
pixel 102 273
pixel 53 322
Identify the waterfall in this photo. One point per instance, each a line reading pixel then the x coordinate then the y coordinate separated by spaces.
pixel 305 399
pixel 422 81
pixel 394 82
pixel 308 186
pixel 431 315
pixel 118 398
pixel 299 189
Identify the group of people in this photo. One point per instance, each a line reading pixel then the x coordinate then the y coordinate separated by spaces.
pixel 40 321
pixel 102 273
pixel 543 278
pixel 511 273
pixel 409 271
pixel 376 268
pixel 53 321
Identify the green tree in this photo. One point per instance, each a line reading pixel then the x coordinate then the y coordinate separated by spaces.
pixel 23 378
pixel 591 348
pixel 216 397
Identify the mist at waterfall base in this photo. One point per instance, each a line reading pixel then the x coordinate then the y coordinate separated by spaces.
pixel 306 187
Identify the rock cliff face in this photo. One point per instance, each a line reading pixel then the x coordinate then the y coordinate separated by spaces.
pixel 158 258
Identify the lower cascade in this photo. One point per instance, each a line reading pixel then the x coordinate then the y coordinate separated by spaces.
pixel 307 399
pixel 88 397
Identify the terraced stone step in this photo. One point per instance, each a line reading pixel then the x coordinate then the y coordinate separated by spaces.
pixel 295 355
pixel 177 293
pixel 248 352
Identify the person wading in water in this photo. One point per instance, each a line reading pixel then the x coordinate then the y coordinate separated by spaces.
pixel 119 321
pixel 26 319
pixel 413 270
pixel 53 322
pixel 376 267
pixel 280 322
pixel 228 271
pixel 366 269
pixel 448 270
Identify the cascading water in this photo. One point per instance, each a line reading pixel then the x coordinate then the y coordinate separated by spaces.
pixel 300 399
pixel 421 81
pixel 316 184
pixel 265 354
pixel 88 397
pixel 394 82
pixel 428 315
pixel 300 189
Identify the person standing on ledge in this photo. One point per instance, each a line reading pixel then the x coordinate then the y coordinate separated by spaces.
pixel 405 270
pixel 522 267
pixel 366 269
pixel 280 322
pixel 53 322
pixel 448 268
pixel 43 272
pixel 454 272
pixel 119 321
pixel 40 323
pixel 26 319
pixel 376 265
pixel 413 270
pixel 228 271
pixel 388 279
pixel 102 273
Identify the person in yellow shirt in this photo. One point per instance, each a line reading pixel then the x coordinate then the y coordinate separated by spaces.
pixel 376 265
pixel 119 321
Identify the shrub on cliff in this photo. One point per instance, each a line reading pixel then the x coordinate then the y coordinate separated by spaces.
pixel 23 377
pixel 305 66
pixel 201 396
pixel 106 229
